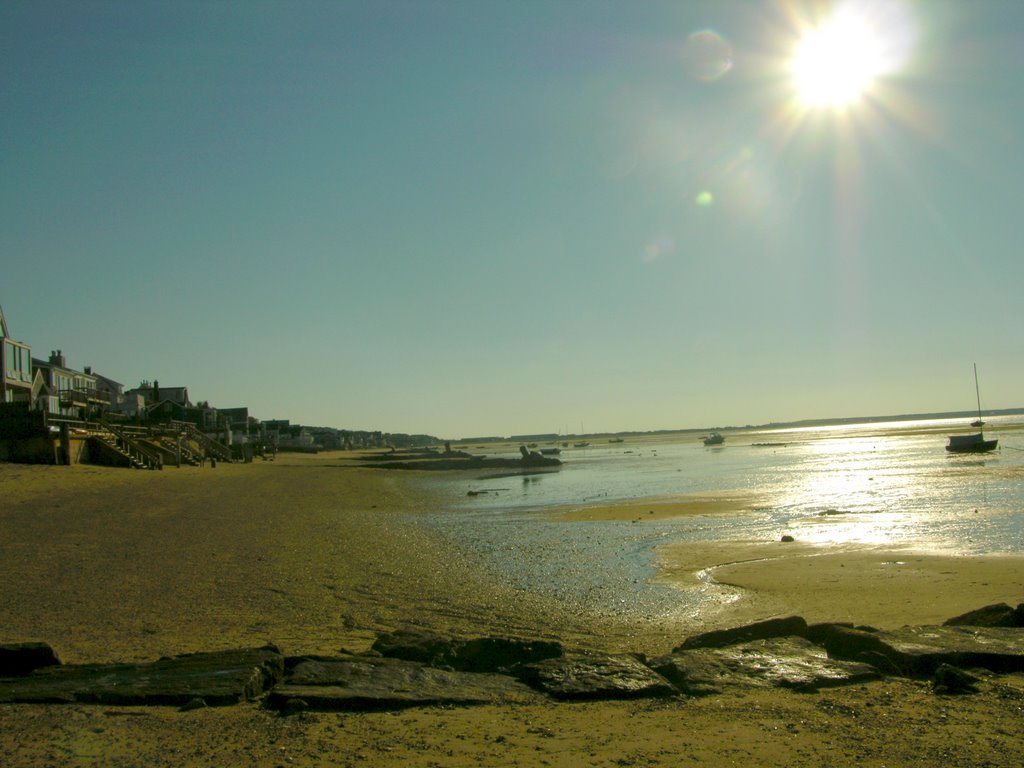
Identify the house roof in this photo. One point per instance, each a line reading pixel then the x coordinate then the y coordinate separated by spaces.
pixel 178 394
pixel 107 380
pixel 165 401
pixel 37 363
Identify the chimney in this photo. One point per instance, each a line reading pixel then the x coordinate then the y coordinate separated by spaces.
pixel 57 359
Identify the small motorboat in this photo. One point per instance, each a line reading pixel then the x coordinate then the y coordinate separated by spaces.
pixel 714 438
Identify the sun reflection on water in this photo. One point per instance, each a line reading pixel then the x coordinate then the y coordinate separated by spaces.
pixel 854 490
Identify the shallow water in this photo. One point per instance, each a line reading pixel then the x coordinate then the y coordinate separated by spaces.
pixel 881 484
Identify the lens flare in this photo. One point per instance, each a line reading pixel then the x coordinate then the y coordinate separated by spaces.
pixel 707 56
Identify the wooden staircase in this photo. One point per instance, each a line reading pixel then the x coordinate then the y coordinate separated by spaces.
pixel 211 447
pixel 172 446
pixel 147 447
pixel 128 445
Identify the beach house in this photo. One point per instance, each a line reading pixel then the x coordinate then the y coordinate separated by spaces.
pixel 66 391
pixel 15 367
pixel 162 403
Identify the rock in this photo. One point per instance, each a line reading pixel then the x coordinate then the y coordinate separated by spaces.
pixel 192 705
pixel 410 645
pixel 369 683
pixel 700 672
pixel 953 681
pixel 998 615
pixel 762 630
pixel 483 654
pixel 787 539
pixel 219 678
pixel 295 707
pixel 580 677
pixel 783 662
pixel 919 651
pixel 18 659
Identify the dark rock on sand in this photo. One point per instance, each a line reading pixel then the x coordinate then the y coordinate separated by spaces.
pixel 592 676
pixel 412 668
pixel 368 683
pixel 762 630
pixel 192 705
pixel 919 651
pixel 17 659
pixel 218 678
pixel 998 615
pixel 953 681
pixel 482 654
pixel 783 662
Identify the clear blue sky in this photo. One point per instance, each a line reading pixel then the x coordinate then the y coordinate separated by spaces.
pixel 471 218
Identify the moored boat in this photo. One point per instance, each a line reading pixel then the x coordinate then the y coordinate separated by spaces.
pixel 975 443
pixel 714 438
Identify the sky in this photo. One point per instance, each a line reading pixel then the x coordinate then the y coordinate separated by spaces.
pixel 477 217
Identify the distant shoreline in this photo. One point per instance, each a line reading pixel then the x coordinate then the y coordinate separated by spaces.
pixel 827 422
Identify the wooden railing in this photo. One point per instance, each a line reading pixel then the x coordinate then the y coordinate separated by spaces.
pixel 132 447
pixel 212 448
pixel 83 397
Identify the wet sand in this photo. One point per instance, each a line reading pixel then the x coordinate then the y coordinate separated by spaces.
pixel 886 587
pixel 317 555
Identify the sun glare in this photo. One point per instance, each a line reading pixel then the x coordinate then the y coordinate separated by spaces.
pixel 838 62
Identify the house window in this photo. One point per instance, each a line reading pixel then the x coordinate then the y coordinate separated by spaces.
pixel 26 365
pixel 17 362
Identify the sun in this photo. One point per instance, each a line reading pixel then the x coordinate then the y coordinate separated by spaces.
pixel 836 64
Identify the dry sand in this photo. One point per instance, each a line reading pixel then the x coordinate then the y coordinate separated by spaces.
pixel 317 555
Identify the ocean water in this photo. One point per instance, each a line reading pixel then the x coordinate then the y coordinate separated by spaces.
pixel 872 484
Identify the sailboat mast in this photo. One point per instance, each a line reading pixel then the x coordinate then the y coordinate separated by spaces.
pixel 977 394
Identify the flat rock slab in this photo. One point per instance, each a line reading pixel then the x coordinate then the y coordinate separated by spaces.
pixel 218 678
pixel 369 683
pixel 482 654
pixel 788 662
pixel 762 630
pixel 473 462
pixel 998 615
pixel 580 677
pixel 17 659
pixel 919 651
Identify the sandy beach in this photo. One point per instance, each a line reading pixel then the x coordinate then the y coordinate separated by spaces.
pixel 317 555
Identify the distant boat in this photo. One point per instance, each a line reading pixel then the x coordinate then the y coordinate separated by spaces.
pixel 580 445
pixel 616 440
pixel 972 443
pixel 714 439
pixel 550 451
